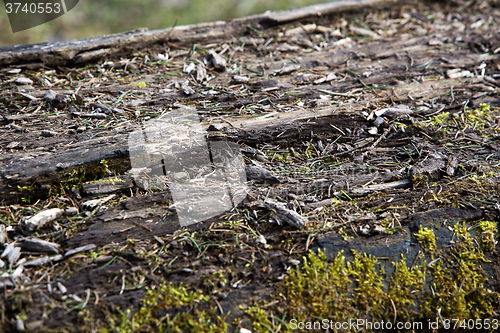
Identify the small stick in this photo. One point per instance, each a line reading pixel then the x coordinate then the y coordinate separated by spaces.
pixel 142 225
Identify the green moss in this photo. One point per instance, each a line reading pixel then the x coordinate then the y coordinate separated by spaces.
pixel 487 238
pixel 440 118
pixel 402 126
pixel 405 283
pixel 112 180
pixel 453 287
pixel 344 235
pixel 318 288
pixel 478 116
pixel 153 316
pixel 369 298
pixel 261 320
pixel 458 282
pixel 427 240
pixel 418 180
pixel 286 157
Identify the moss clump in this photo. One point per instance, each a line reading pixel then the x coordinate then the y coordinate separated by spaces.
pixel 261 320
pixel 112 180
pixel 319 288
pixel 427 240
pixel 369 298
pixel 458 289
pixel 440 118
pixel 479 116
pixel 154 315
pixel 406 283
pixel 454 287
pixel 488 234
pixel 344 290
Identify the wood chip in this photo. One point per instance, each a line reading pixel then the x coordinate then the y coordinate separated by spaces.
pixel 105 108
pixel 3 234
pixel 38 245
pixel 261 175
pixel 48 133
pixel 94 54
pixel 430 169
pixel 24 81
pixel 70 211
pixel 394 112
pixel 43 217
pixel 288 69
pixel 458 73
pixel 20 325
pixel 102 259
pixel 159 240
pixel 28 96
pixel 285 47
pixel 240 79
pixel 14 70
pixel 8 249
pixel 50 95
pixel 14 255
pixel 20 262
pixel 201 73
pixel 96 115
pixel 218 62
pixel 189 68
pixel 363 32
pixel 62 288
pixel 13 144
pixel 79 249
pixel 380 187
pixel 303 29
pixel 18 272
pixel 91 204
pixel 37 262
pixel 285 215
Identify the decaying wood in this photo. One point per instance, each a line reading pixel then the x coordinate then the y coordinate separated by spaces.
pixel 368 126
pixel 39 245
pixel 79 249
pixel 284 215
pixel 40 219
pixel 85 50
pixel 3 234
pixel 108 185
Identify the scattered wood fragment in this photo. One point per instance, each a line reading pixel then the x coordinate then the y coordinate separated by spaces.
pixel 108 185
pixel 218 62
pixel 39 245
pixel 79 250
pixel 43 217
pixel 283 215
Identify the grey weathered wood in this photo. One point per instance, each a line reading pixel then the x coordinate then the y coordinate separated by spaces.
pixel 84 50
pixel 381 187
pixel 38 245
pixel 327 8
pixel 79 249
pixel 108 185
pixel 3 234
pixel 43 217
pixel 56 166
pixel 284 215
